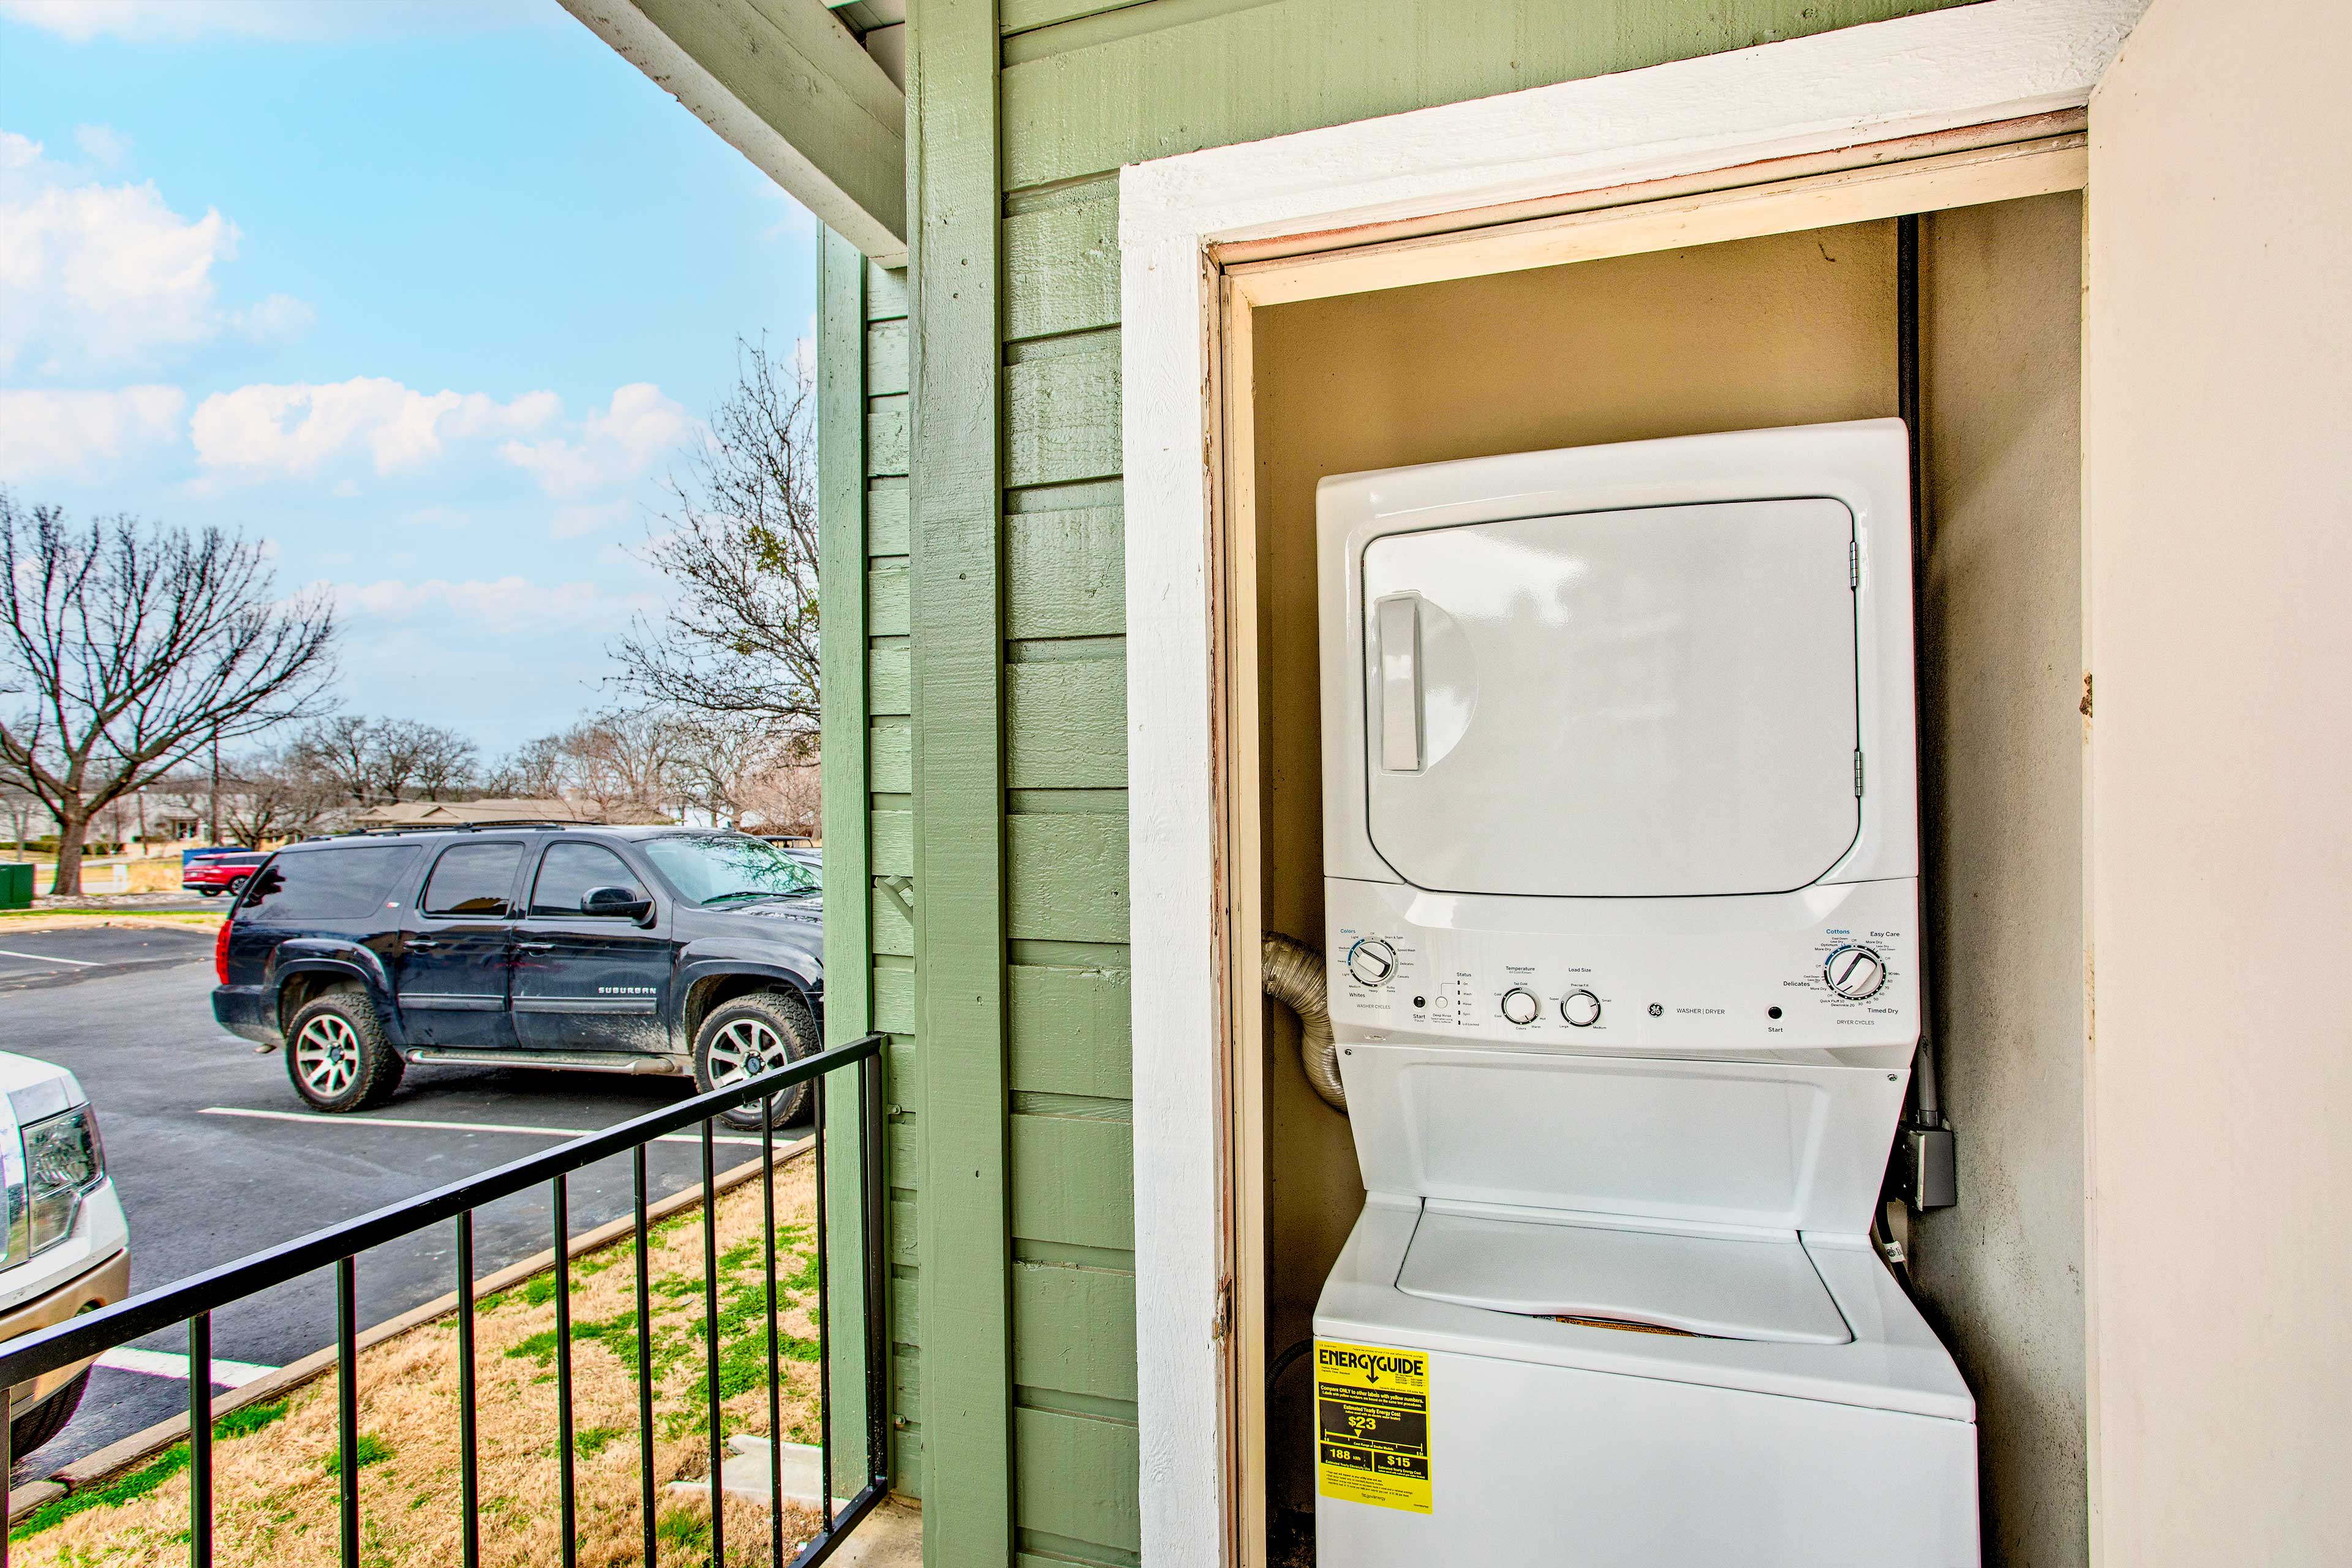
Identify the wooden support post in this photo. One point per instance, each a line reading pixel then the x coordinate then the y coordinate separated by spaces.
pixel 960 906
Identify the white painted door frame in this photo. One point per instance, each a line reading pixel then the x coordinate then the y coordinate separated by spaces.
pixel 1997 61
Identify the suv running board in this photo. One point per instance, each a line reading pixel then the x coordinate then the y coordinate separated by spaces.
pixel 578 1061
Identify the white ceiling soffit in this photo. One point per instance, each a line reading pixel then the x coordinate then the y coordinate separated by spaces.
pixel 788 86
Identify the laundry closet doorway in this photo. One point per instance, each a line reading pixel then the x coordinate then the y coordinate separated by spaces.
pixel 1762 296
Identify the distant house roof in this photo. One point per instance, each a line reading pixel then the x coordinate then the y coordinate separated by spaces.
pixel 449 813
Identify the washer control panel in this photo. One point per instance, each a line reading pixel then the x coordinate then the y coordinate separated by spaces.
pixel 1824 967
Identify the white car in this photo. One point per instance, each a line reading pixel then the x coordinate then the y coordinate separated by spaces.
pixel 67 1247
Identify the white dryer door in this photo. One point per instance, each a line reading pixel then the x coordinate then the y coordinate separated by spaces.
pixel 1641 703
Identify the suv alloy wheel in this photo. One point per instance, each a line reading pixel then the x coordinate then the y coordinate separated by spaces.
pixel 337 1056
pixel 750 1036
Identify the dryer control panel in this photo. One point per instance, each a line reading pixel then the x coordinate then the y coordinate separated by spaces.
pixel 1824 968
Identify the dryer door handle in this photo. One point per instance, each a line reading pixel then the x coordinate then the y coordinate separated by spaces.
pixel 1398 618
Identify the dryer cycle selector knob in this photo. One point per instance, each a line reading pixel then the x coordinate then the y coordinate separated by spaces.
pixel 1519 1004
pixel 1855 972
pixel 1580 1009
pixel 1372 961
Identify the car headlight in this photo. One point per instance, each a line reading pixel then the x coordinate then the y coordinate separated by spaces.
pixel 63 1160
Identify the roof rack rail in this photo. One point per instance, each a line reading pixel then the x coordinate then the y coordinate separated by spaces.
pixel 499 823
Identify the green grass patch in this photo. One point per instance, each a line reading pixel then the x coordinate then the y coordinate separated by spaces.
pixel 251 1418
pixel 111 1494
pixel 685 1530
pixel 240 1423
pixel 370 1449
pixel 590 1441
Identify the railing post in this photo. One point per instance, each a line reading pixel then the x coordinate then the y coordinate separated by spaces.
pixel 469 1481
pixel 200 1441
pixel 874 1197
pixel 347 1402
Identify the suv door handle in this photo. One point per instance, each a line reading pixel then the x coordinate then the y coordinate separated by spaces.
pixel 536 946
pixel 420 942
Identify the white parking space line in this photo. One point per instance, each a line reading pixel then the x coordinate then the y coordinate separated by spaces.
pixel 45 958
pixel 453 1126
pixel 164 1363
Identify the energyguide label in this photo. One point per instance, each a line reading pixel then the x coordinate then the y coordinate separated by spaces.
pixel 1371 1422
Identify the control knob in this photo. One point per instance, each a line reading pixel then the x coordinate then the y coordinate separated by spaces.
pixel 1580 1009
pixel 1519 1004
pixel 1855 972
pixel 1372 961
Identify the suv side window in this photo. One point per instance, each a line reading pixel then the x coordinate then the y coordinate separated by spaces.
pixel 568 871
pixel 473 879
pixel 335 884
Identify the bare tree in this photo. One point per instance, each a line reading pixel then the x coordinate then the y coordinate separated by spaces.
pixel 372 760
pixel 533 770
pixel 623 761
pixel 442 761
pixel 739 544
pixel 275 794
pixel 129 646
pixel 19 804
pixel 340 748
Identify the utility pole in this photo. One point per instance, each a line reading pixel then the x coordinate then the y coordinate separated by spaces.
pixel 216 799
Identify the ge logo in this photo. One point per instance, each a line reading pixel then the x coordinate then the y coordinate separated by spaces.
pixel 1656 1011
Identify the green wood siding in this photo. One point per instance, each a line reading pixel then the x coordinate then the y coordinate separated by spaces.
pixel 992 670
pixel 861 363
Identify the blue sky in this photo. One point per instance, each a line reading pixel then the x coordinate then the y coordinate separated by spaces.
pixel 427 295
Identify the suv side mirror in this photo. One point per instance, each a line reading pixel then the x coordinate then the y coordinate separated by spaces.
pixel 626 903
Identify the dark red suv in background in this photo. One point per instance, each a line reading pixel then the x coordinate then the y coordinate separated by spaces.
pixel 221 872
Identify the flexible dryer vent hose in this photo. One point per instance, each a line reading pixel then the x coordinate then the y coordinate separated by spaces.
pixel 1294 977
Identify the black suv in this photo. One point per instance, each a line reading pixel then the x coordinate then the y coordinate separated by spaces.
pixel 648 950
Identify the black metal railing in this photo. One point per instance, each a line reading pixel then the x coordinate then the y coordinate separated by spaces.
pixel 195 1299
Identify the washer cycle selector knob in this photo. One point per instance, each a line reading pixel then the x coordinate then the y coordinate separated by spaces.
pixel 1580 1009
pixel 1519 1004
pixel 1372 961
pixel 1855 972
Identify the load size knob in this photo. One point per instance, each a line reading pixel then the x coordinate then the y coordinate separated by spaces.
pixel 1519 1004
pixel 1372 961
pixel 1855 972
pixel 1579 1009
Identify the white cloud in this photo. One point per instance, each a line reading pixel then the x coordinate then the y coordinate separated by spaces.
pixel 280 319
pixel 155 21
pixel 103 144
pixel 267 431
pixel 622 443
pixel 501 605
pixel 100 275
pixel 51 433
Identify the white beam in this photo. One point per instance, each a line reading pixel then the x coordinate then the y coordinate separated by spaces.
pixel 786 85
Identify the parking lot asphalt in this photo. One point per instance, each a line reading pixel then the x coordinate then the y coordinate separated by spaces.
pixel 215 1158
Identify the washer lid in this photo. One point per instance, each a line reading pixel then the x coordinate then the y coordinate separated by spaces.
pixel 1551 1266
pixel 1639 703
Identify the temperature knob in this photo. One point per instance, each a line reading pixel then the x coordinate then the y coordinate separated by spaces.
pixel 1519 1004
pixel 1580 1008
pixel 1855 972
pixel 1372 961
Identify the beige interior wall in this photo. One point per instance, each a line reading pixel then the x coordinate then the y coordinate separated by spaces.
pixel 2219 551
pixel 1787 330
pixel 1999 646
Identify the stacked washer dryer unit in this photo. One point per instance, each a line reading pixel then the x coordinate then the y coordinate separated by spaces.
pixel 1622 860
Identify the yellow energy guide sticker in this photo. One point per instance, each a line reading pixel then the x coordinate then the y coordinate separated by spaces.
pixel 1371 1425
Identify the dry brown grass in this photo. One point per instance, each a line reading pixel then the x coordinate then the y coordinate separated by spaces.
pixel 275 1497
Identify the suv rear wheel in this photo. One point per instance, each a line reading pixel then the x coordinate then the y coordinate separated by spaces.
pixel 337 1056
pixel 27 1433
pixel 750 1036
